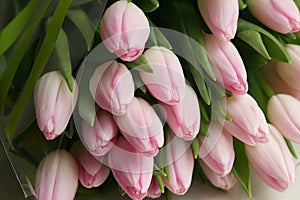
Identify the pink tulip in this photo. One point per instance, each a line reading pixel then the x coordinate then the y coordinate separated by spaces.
pixel 220 16
pixel 100 138
pixel 56 177
pixel 224 182
pixel 276 82
pixel 124 30
pixel 281 16
pixel 272 161
pixel 54 103
pixel 180 163
pixel 248 121
pixel 154 191
pixel 226 64
pixel 220 155
pixel 184 116
pixel 167 82
pixel 112 87
pixel 132 170
pixel 289 72
pixel 141 127
pixel 283 112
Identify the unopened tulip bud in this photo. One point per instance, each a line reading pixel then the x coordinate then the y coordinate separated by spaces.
pixel 54 103
pixel 184 116
pixel 226 64
pixel 289 72
pixel 132 170
pixel 180 164
pixel 248 122
pixel 272 161
pixel 112 87
pixel 92 171
pixel 56 177
pixel 220 155
pixel 100 138
pixel 141 126
pixel 221 17
pixel 223 182
pixel 167 82
pixel 281 16
pixel 154 190
pixel 283 113
pixel 124 30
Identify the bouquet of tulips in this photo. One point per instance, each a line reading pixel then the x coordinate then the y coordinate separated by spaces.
pixel 146 95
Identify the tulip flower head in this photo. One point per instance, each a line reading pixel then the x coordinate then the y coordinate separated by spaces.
pixel 220 16
pixel 100 138
pixel 167 82
pixel 281 16
pixel 226 64
pixel 112 87
pixel 124 30
pixel 184 116
pixel 54 103
pixel 92 171
pixel 154 191
pixel 141 126
pixel 248 121
pixel 272 161
pixel 56 177
pixel 132 170
pixel 283 112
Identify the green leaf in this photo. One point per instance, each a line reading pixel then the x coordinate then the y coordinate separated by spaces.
pixel 199 80
pixel 13 30
pixel 242 4
pixel 3 64
pixel 76 3
pixel 253 38
pixel 241 167
pixel 39 64
pixel 156 38
pixel 140 64
pixel 84 24
pixel 195 147
pixel 63 54
pixel 160 183
pixel 297 2
pixel 147 5
pixel 291 148
pixel 18 52
pixel 275 49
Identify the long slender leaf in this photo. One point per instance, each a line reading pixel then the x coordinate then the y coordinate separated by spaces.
pixel 63 54
pixel 147 5
pixel 18 52
pixel 3 64
pixel 13 30
pixel 39 64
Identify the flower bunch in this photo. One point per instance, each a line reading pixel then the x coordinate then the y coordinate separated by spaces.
pixel 155 87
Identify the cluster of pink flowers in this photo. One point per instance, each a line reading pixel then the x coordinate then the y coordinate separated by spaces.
pixel 128 133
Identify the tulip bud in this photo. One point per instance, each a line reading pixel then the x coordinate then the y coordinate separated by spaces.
pixel 224 182
pixel 56 177
pixel 248 122
pixel 92 172
pixel 272 161
pixel 54 103
pixel 141 127
pixel 281 16
pixel 289 72
pixel 124 30
pixel 100 137
pixel 220 154
pixel 283 112
pixel 154 191
pixel 184 116
pixel 226 64
pixel 167 82
pixel 132 170
pixel 221 17
pixel 112 87
pixel 180 162
pixel 276 82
